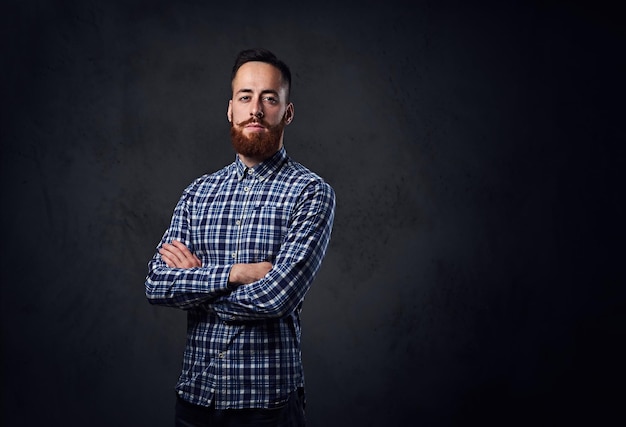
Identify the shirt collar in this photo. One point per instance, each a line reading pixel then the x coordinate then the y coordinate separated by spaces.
pixel 263 170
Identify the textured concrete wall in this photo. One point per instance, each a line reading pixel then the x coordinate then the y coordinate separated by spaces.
pixel 473 273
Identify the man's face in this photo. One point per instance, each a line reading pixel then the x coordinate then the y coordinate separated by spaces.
pixel 258 110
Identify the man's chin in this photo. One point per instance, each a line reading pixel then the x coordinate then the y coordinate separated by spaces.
pixel 250 134
pixel 257 145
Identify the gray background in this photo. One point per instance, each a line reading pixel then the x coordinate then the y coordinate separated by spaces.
pixel 474 274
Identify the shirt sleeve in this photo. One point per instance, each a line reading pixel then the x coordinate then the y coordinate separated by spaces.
pixel 179 287
pixel 283 289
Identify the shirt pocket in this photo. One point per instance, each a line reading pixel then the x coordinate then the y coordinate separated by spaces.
pixel 267 227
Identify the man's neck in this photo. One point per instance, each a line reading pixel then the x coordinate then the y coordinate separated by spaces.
pixel 253 161
pixel 249 161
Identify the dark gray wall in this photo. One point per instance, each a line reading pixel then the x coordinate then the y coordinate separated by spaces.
pixel 474 273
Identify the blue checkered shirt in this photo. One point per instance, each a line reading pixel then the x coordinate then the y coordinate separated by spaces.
pixel 243 344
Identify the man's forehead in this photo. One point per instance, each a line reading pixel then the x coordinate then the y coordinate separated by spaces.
pixel 257 74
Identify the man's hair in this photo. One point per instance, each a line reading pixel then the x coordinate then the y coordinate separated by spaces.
pixel 262 55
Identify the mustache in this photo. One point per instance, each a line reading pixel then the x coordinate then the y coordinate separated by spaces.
pixel 254 120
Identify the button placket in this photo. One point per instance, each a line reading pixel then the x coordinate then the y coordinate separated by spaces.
pixel 248 182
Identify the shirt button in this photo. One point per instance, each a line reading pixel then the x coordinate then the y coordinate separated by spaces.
pixel 220 355
pixel 238 222
pixel 246 189
pixel 234 255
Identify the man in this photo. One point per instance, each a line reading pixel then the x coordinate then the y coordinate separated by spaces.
pixel 241 251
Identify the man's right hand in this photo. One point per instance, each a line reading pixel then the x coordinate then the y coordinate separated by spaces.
pixel 244 274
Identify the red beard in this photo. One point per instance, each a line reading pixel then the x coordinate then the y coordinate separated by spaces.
pixel 258 146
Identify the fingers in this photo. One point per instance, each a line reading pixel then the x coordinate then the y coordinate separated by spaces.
pixel 167 258
pixel 176 255
pixel 182 248
pixel 169 255
pixel 187 259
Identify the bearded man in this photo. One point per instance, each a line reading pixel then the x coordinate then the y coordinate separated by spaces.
pixel 241 251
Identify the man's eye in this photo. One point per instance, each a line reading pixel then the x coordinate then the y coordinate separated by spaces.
pixel 244 98
pixel 270 99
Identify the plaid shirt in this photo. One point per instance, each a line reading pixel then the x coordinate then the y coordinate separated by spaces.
pixel 243 344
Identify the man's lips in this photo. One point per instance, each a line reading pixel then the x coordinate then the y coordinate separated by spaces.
pixel 255 127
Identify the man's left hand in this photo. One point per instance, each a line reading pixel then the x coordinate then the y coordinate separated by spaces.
pixel 176 255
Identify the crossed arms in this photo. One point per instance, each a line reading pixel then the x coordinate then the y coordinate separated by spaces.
pixel 244 292
pixel 177 255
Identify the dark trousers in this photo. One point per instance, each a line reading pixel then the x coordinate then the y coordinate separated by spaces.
pixel 291 414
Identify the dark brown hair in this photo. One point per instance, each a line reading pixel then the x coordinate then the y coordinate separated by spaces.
pixel 263 55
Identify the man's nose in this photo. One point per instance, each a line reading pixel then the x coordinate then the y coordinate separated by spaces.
pixel 257 111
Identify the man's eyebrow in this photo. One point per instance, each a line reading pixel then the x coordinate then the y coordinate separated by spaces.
pixel 263 92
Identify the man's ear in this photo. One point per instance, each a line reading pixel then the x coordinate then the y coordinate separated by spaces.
pixel 288 117
pixel 229 111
